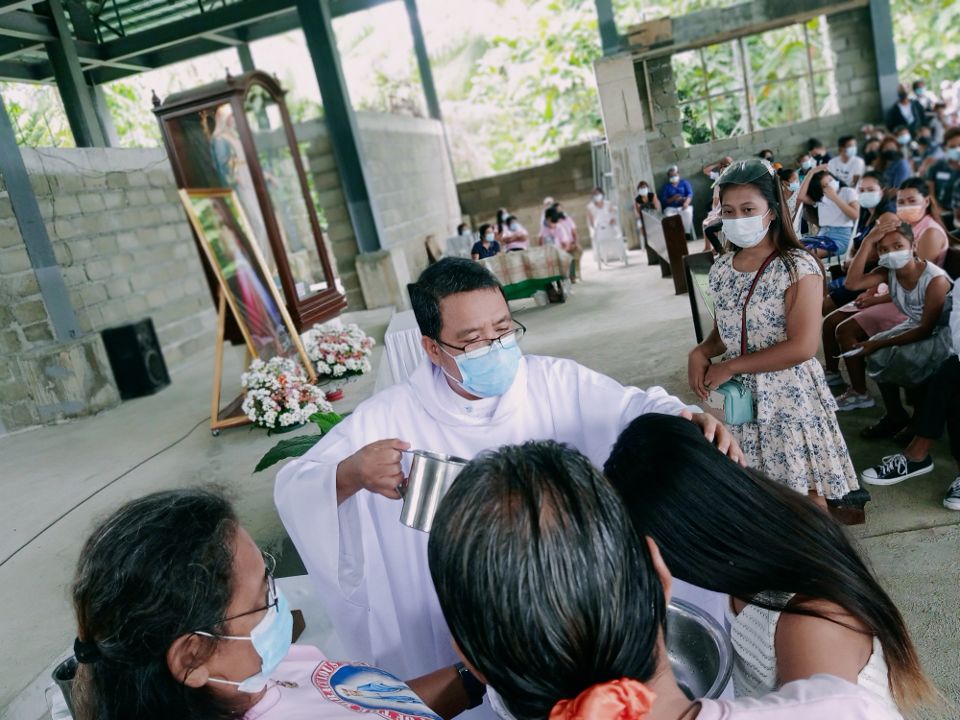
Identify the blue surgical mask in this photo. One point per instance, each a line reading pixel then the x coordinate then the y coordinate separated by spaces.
pixel 903 139
pixel 489 375
pixel 953 153
pixel 488 237
pixel 794 186
pixel 808 164
pixel 271 638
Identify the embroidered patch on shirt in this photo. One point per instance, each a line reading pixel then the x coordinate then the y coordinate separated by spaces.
pixel 366 689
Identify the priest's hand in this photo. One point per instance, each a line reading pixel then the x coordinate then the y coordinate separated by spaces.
pixel 374 467
pixel 717 433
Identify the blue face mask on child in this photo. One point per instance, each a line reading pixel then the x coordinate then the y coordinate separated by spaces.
pixel 489 375
pixel 271 638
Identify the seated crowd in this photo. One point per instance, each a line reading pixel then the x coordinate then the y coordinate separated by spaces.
pixel 542 589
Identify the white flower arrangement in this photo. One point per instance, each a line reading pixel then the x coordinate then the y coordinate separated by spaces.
pixel 338 352
pixel 278 394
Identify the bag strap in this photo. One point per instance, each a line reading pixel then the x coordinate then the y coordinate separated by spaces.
pixel 753 286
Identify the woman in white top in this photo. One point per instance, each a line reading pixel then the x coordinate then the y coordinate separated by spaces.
pixel 838 209
pixel 804 601
pixel 559 606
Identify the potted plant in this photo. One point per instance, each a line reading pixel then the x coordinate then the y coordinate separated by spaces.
pixel 339 355
pixel 279 396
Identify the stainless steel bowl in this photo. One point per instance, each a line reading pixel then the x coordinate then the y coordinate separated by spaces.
pixel 699 650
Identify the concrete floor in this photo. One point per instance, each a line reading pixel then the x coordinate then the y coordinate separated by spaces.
pixel 626 322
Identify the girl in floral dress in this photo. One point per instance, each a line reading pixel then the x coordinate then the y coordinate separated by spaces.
pixel 793 436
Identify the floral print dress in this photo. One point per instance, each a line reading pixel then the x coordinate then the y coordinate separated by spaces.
pixel 794 437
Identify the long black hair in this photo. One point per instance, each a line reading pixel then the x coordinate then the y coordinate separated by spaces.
pixel 737 532
pixel 158 568
pixel 815 187
pixel 545 586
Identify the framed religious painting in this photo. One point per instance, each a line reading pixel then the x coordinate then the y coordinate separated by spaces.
pixel 245 287
pixel 245 280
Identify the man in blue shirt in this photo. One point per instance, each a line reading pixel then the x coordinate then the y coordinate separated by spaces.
pixel 676 198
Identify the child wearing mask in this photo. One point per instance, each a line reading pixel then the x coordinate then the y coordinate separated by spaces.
pixel 906 355
pixel 793 435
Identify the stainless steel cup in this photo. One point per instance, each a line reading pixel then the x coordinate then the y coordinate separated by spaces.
pixel 431 475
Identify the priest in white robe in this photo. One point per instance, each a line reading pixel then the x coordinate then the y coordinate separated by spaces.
pixel 475 391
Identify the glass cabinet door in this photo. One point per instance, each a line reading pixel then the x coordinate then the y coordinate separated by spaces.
pixel 286 191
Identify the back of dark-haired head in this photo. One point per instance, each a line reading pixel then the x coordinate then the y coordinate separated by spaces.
pixel 545 586
pixel 753 536
pixel 785 173
pixel 448 276
pixel 553 214
pixel 156 569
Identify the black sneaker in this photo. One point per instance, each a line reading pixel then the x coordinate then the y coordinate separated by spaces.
pixel 884 428
pixel 896 468
pixel 951 500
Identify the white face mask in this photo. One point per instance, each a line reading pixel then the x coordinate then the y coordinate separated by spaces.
pixel 870 198
pixel 714 175
pixel 675 179
pixel 833 184
pixel 851 151
pixel 896 259
pixel 598 199
pixel 488 237
pixel 745 232
pixel 643 191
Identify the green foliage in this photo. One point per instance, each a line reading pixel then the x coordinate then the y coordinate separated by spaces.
pixel 37 115
pixel 136 125
pixel 927 35
pixel 297 446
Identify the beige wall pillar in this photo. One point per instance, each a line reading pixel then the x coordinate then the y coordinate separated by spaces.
pixel 623 120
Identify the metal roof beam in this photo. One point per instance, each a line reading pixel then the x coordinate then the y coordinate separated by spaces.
pixel 11 5
pixel 26 25
pixel 212 21
pixel 22 72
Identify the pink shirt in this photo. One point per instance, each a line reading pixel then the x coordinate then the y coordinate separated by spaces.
pixel 308 686
pixel 821 696
pixel 927 222
pixel 560 234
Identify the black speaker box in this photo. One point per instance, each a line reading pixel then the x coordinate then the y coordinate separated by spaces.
pixel 136 359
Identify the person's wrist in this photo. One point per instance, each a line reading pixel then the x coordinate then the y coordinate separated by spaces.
pixel 474 689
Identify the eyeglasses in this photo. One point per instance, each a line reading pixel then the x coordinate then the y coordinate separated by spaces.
pixel 479 348
pixel 270 601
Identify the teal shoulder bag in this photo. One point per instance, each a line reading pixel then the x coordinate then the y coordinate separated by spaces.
pixel 733 398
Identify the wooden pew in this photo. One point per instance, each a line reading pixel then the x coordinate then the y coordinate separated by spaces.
pixel 666 246
pixel 697 270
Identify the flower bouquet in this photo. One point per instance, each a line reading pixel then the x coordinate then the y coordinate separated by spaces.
pixel 338 354
pixel 279 396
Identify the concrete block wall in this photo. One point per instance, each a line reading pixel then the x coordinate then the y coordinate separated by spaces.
pixel 569 180
pixel 124 244
pixel 858 95
pixel 125 251
pixel 410 181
